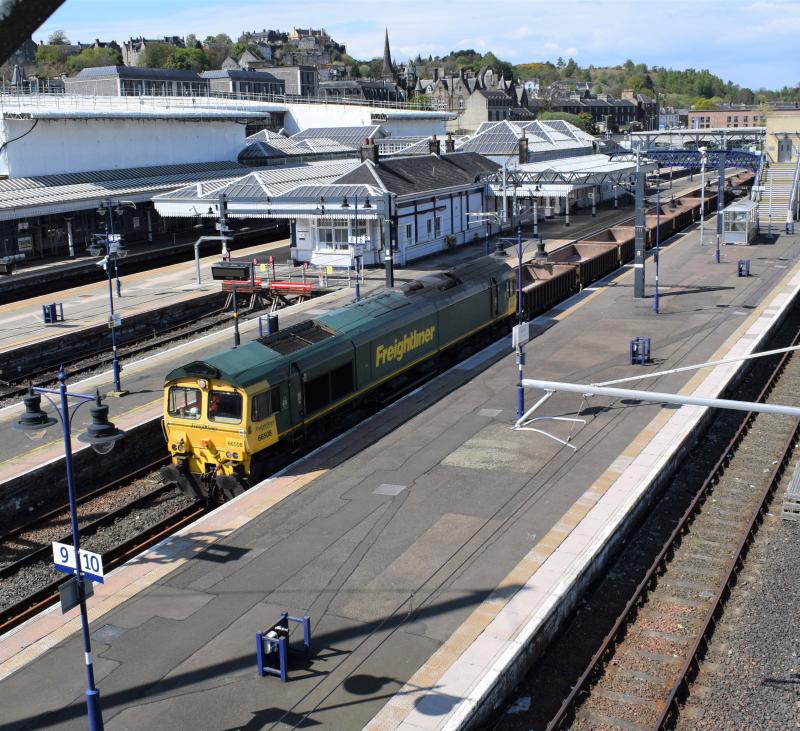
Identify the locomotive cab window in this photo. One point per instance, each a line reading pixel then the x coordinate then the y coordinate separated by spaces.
pixel 265 404
pixel 184 402
pixel 225 407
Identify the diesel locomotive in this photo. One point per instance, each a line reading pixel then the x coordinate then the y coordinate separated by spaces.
pixel 225 416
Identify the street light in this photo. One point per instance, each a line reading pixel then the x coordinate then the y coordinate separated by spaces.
pixel 102 435
pixel 487 217
pixel 520 344
pixel 656 255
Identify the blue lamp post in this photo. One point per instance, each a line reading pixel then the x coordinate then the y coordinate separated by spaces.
pixel 367 206
pixel 111 257
pixel 520 346
pixel 101 434
pixel 656 255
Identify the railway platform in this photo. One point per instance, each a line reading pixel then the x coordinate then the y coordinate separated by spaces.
pixel 87 306
pixel 433 548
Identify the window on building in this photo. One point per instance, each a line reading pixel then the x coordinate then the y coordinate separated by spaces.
pixel 409 233
pixel 333 234
pixel 437 227
pixel 265 404
pixel 461 102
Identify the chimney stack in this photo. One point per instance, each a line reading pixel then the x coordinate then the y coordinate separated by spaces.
pixel 368 151
pixel 434 146
pixel 523 148
pixel 449 143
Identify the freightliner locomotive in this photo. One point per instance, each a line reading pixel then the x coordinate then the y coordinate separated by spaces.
pixel 225 416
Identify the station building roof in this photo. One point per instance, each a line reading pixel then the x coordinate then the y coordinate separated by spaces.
pixel 51 194
pixel 546 139
pixel 251 195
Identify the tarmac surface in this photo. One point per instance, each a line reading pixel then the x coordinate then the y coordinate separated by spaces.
pixel 390 537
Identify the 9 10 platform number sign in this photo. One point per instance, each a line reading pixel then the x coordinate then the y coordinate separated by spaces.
pixel 91 563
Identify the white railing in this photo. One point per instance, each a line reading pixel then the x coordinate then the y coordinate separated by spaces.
pixel 212 101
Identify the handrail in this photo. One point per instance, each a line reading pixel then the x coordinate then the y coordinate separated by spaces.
pixel 757 179
pixel 790 219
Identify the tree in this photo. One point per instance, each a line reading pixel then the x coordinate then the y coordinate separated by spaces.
pixel 93 57
pixel 579 120
pixel 156 55
pixel 58 38
pixel 187 59
pixel 587 123
pixel 570 68
pixel 237 49
pixel 703 105
pixel 560 63
pixel 421 101
pixel 190 40
pixel 51 60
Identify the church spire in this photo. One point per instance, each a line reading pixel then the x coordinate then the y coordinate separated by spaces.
pixel 387 72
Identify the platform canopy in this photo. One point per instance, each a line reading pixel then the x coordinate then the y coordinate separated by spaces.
pixel 252 195
pixel 559 178
pixel 44 195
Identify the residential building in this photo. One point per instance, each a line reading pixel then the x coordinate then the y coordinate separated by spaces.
pixel 298 80
pixel 385 91
pixel 646 109
pixel 133 50
pixel 728 115
pixel 25 55
pixel 782 144
pixel 606 111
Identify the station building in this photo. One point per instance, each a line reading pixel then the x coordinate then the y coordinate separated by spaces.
pixel 61 157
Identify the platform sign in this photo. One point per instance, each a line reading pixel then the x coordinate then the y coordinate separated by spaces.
pixel 115 321
pixel 68 592
pixel 91 563
pixel 521 334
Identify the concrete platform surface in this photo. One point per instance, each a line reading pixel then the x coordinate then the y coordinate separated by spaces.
pixel 143 377
pixel 405 539
pixel 87 305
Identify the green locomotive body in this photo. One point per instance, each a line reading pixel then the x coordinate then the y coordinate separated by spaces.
pixel 224 416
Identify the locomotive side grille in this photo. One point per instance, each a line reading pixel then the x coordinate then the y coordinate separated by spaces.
pixel 297 337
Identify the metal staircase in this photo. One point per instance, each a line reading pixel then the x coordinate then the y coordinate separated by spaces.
pixel 777 196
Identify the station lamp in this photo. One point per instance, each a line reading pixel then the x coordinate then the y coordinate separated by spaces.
pixel 101 434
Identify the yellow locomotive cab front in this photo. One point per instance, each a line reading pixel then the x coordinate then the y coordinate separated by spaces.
pixel 206 432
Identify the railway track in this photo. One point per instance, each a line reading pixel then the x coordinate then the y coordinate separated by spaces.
pixel 151 512
pixel 641 673
pixel 92 359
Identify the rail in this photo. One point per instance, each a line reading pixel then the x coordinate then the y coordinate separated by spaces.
pixel 791 216
pixel 618 631
pixel 196 102
pixel 754 193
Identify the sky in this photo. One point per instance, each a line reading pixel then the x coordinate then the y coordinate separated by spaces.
pixel 750 42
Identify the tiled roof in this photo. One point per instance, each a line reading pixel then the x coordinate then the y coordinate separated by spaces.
pixel 349 136
pixel 417 174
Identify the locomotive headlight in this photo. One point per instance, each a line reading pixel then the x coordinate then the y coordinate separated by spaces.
pixel 202 383
pixel 232 455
